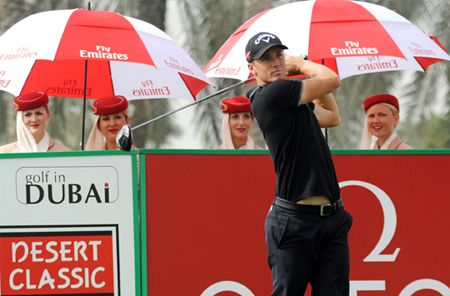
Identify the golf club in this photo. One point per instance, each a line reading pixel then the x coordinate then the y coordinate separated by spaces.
pixel 124 138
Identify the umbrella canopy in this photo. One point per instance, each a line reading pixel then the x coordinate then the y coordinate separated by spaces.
pixel 349 37
pixel 68 52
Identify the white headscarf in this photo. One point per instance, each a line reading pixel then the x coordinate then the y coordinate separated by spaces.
pixel 26 141
pixel 96 141
pixel 366 137
pixel 227 141
pixel 387 143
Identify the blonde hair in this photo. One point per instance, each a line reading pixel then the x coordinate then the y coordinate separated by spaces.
pixel 393 109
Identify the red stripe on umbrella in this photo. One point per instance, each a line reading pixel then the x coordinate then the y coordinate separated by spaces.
pixel 426 62
pixel 125 56
pixel 194 85
pixel 330 18
pixel 93 54
pixel 93 35
pixel 46 76
pixel 349 37
pixel 215 62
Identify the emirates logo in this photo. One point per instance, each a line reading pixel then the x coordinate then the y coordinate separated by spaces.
pixel 352 48
pixel 103 52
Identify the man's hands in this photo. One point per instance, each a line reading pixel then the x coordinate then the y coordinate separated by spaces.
pixel 294 65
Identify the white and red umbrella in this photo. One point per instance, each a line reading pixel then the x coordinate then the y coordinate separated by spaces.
pixel 65 52
pixel 349 37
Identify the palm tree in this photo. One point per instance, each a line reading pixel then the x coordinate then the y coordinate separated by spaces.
pixel 156 134
pixel 429 94
pixel 67 112
pixel 10 13
pixel 208 24
pixel 419 92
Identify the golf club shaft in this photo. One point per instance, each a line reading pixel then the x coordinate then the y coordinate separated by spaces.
pixel 194 103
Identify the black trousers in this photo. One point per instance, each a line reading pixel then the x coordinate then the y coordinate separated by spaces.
pixel 308 248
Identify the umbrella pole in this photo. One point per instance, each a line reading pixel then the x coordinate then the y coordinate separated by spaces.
pixel 195 103
pixel 84 97
pixel 84 105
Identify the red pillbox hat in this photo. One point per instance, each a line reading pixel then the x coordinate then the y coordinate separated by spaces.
pixel 236 104
pixel 110 105
pixel 383 98
pixel 31 100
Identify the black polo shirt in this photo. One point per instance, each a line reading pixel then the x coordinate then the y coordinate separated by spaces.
pixel 298 149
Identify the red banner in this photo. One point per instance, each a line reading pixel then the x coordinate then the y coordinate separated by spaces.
pixel 206 213
pixel 58 263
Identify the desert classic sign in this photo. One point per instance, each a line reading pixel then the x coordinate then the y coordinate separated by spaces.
pixel 55 260
pixel 67 225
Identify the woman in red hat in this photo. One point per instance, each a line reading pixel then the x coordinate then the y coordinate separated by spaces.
pixel 32 117
pixel 382 116
pixel 236 124
pixel 111 115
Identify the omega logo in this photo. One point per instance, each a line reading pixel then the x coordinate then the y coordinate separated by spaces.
pixel 227 286
pixel 389 227
pixel 390 223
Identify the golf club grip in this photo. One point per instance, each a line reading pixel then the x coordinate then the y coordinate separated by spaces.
pixel 195 103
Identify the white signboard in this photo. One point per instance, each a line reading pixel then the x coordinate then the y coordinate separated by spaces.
pixel 67 224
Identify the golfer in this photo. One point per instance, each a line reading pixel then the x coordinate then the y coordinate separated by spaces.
pixel 236 123
pixel 307 227
pixel 33 115
pixel 382 116
pixel 111 115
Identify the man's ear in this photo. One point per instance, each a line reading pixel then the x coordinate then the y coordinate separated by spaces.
pixel 252 69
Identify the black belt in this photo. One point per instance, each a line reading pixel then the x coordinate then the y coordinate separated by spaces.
pixel 322 210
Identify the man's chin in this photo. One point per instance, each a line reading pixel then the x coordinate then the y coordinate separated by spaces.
pixel 278 77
